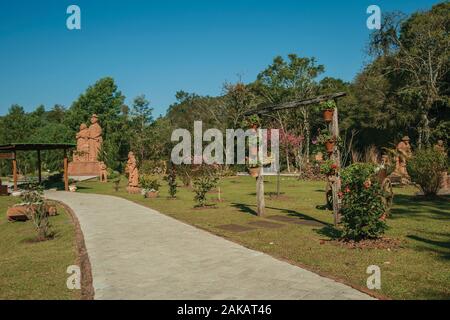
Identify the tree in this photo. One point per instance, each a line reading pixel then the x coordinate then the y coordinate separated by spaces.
pixel 141 114
pixel 289 80
pixel 415 55
pixel 105 100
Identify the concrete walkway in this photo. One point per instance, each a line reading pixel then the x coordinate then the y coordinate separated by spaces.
pixel 138 253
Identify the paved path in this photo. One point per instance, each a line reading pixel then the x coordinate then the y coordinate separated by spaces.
pixel 139 253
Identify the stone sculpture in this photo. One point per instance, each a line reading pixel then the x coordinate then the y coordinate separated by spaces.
pixel 404 153
pixel 89 143
pixel 103 172
pixel 133 174
pixel 95 138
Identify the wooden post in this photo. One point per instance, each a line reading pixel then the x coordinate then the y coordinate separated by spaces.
pixel 39 166
pixel 66 167
pixel 15 171
pixel 336 156
pixel 260 193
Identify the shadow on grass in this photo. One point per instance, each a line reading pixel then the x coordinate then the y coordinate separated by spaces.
pixel 416 206
pixel 331 232
pixel 442 248
pixel 248 209
pixel 244 208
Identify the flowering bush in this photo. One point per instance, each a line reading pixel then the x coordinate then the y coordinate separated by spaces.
pixel 363 208
pixel 328 168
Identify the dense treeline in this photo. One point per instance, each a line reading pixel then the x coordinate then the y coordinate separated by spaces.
pixel 404 90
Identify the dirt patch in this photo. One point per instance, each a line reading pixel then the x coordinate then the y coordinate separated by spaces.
pixel 266 224
pixel 235 228
pixel 382 243
pixel 210 206
pixel 295 220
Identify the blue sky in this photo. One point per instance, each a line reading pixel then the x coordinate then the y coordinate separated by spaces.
pixel 159 47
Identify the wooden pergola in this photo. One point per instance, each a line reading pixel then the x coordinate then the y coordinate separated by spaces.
pixel 9 151
pixel 333 127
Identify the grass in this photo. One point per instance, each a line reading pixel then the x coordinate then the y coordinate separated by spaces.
pixel 419 269
pixel 35 270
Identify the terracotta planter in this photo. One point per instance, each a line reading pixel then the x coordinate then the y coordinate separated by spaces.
pixel 329 146
pixel 152 194
pixel 254 172
pixel 328 115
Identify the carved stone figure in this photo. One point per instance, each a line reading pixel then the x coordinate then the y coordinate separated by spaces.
pixel 95 138
pixel 133 174
pixel 85 159
pixel 404 153
pixel 103 172
pixel 82 153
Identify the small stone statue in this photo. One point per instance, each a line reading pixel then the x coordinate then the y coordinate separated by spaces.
pixel 133 174
pixel 103 172
pixel 404 153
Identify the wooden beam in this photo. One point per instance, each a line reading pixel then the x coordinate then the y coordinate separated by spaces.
pixel 296 103
pixel 39 166
pixel 66 168
pixel 15 171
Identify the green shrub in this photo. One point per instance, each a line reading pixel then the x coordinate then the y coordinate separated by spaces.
pixel 113 174
pixel 148 183
pixel 202 185
pixel 363 209
pixel 37 212
pixel 172 181
pixel 426 167
pixel 206 178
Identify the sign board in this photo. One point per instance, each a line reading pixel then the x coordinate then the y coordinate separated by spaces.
pixel 8 156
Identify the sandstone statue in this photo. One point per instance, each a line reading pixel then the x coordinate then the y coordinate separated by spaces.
pixel 85 159
pixel 404 153
pixel 95 138
pixel 133 174
pixel 82 153
pixel 103 172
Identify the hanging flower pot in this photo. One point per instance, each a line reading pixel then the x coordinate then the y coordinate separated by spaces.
pixel 254 172
pixel 328 115
pixel 329 146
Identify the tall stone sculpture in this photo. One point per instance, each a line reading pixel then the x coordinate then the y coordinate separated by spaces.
pixel 95 138
pixel 133 174
pixel 82 136
pixel 85 159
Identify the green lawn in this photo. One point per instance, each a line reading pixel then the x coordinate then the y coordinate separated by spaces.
pixel 419 269
pixel 35 270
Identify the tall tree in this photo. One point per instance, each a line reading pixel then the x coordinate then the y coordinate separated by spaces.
pixel 416 56
pixel 287 80
pixel 141 114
